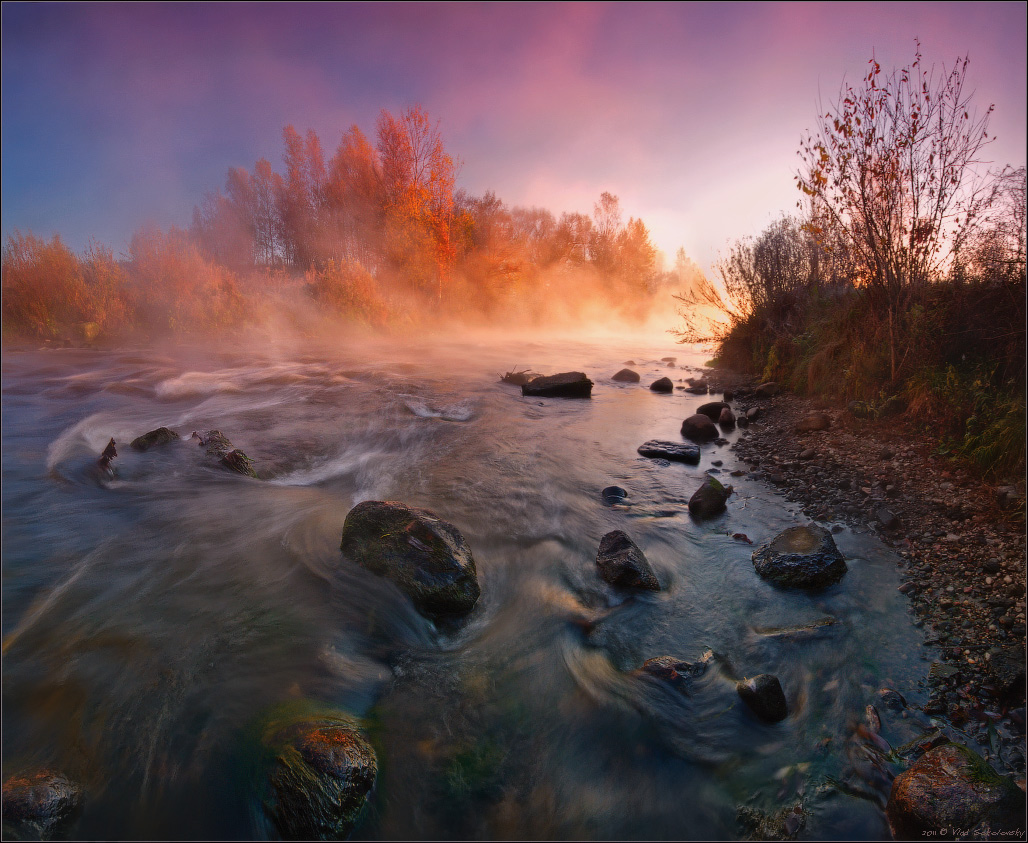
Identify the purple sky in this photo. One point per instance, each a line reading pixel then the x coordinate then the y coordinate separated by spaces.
pixel 120 114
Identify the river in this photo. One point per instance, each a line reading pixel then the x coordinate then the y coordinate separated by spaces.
pixel 149 620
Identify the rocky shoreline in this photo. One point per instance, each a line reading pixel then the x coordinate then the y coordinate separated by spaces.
pixel 959 539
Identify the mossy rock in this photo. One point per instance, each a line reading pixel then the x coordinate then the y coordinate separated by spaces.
pixel 709 500
pixel 160 436
pixel 425 556
pixel 951 787
pixel 323 771
pixel 800 557
pixel 39 805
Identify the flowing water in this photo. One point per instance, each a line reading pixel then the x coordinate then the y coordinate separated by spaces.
pixel 150 620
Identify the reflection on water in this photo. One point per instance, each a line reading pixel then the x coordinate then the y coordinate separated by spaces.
pixel 149 620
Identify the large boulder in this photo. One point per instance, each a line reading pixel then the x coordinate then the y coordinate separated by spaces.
pixel 160 436
pixel 663 385
pixel 564 385
pixel 673 451
pixel 425 556
pixel 800 557
pixel 709 500
pixel 699 428
pixel 812 422
pixel 39 804
pixel 764 696
pixel 322 774
pixel 950 787
pixel 712 409
pixel 217 446
pixel 622 563
pixel 625 376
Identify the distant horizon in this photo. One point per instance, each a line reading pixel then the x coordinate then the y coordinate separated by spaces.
pixel 116 116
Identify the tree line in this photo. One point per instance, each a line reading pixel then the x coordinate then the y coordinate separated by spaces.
pixel 377 232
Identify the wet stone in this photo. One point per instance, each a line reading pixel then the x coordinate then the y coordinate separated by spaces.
pixel 675 451
pixel 622 564
pixel 39 804
pixel 155 438
pixel 800 557
pixel 563 385
pixel 764 696
pixel 426 557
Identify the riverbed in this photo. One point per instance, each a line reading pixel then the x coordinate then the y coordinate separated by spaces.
pixel 151 619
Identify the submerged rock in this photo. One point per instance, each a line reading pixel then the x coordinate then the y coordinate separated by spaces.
pixel 626 376
pixel 951 787
pixel 39 804
pixel 564 385
pixel 518 378
pixel 699 428
pixel 106 461
pixel 672 669
pixel 709 500
pixel 663 385
pixel 765 697
pixel 160 436
pixel 323 772
pixel 425 556
pixel 613 494
pixel 623 564
pixel 217 445
pixel 670 451
pixel 800 557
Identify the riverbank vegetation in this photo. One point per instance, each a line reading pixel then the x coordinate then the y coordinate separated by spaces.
pixel 377 234
pixel 901 283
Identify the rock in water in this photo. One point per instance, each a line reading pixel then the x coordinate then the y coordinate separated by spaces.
pixel 160 436
pixel 217 445
pixel 950 787
pixel 727 418
pixel 564 385
pixel 105 463
pixel 764 695
pixel 613 494
pixel 626 376
pixel 324 769
pixel 671 669
pixel 670 451
pixel 709 500
pixel 662 385
pixel 39 804
pixel 800 557
pixel 425 556
pixel 623 565
pixel 699 428
pixel 712 409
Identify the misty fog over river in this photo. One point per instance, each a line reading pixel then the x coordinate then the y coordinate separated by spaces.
pixel 151 620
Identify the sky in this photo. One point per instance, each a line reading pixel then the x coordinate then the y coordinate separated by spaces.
pixel 116 115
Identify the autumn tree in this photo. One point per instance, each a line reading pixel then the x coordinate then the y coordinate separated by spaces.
pixel 301 197
pixel 355 202
pixel 418 178
pixel 894 166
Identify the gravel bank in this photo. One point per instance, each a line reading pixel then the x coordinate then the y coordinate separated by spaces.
pixel 961 547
